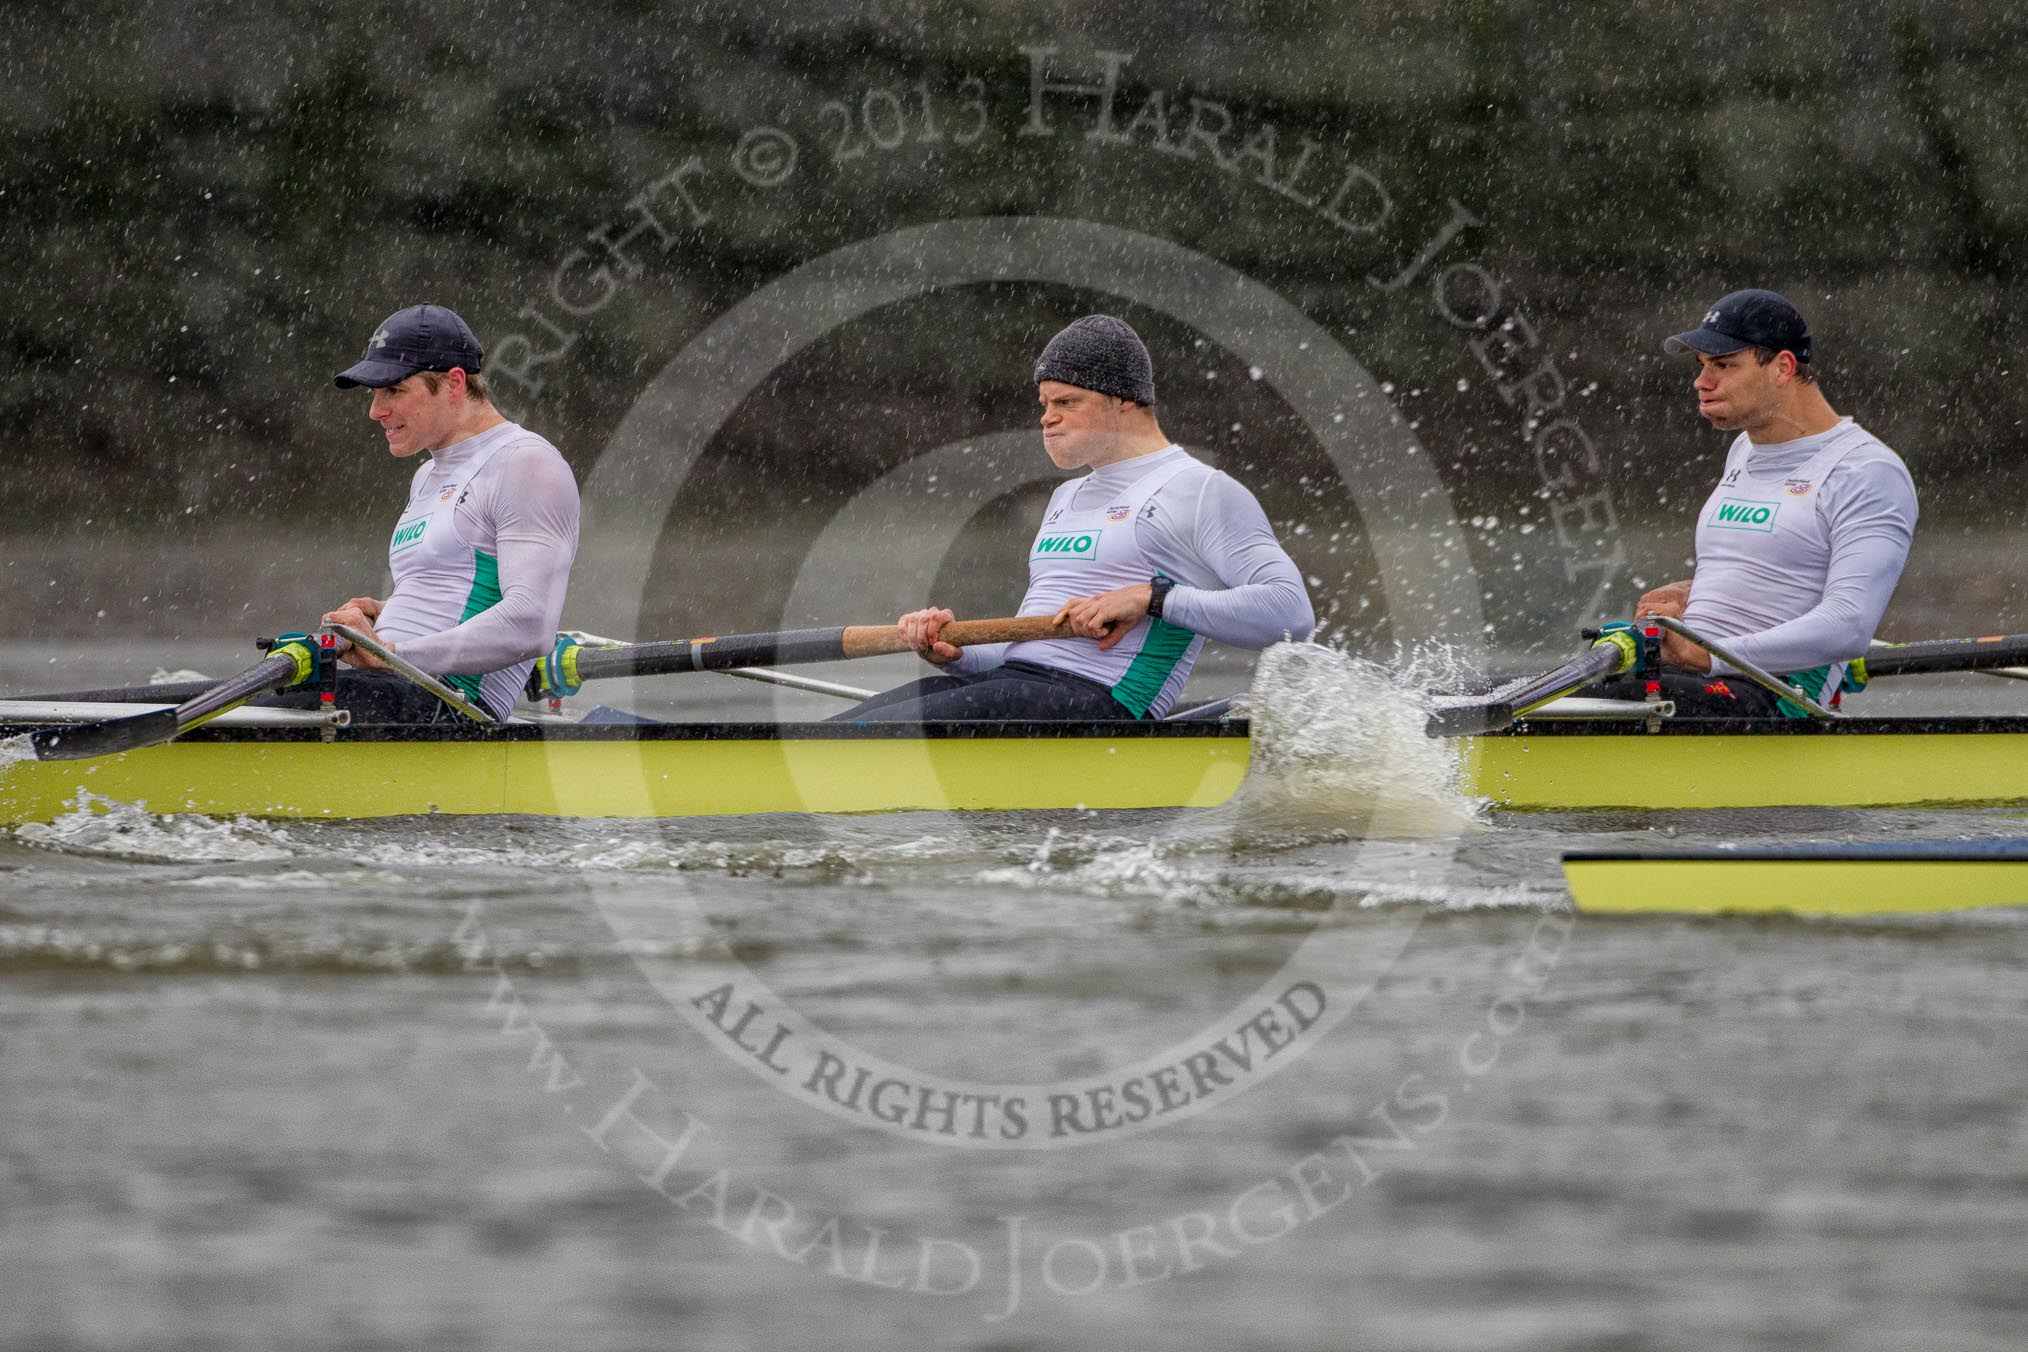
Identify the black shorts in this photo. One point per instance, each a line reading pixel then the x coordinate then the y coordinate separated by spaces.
pixel 1013 690
pixel 1696 696
pixel 374 697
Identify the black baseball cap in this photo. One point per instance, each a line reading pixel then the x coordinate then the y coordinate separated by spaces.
pixel 420 338
pixel 1746 319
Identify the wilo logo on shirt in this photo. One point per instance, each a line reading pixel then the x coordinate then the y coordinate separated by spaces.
pixel 1732 514
pixel 407 533
pixel 1081 545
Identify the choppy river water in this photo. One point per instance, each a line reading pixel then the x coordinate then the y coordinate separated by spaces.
pixel 1334 1067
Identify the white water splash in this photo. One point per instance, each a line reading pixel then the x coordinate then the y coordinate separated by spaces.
pixel 1119 867
pixel 106 826
pixel 652 853
pixel 14 750
pixel 98 825
pixel 1157 871
pixel 299 880
pixel 1338 744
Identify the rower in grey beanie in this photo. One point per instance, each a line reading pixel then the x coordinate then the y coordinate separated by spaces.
pixel 1100 353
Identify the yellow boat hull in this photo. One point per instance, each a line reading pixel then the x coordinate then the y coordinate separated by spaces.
pixel 624 777
pixel 706 770
pixel 1927 764
pixel 1822 881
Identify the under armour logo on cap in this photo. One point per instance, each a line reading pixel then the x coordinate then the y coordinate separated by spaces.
pixel 420 338
pixel 1746 319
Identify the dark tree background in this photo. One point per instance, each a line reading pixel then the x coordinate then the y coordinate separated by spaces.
pixel 205 209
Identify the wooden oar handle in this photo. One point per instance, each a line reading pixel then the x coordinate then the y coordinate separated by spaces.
pixel 876 640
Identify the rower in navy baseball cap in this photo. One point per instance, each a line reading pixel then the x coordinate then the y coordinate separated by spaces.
pixel 420 338
pixel 1746 319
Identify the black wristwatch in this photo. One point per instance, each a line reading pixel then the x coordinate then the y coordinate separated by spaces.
pixel 1158 592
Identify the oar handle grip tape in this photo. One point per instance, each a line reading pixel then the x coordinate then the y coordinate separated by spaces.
pixel 315 655
pixel 555 676
pixel 1619 634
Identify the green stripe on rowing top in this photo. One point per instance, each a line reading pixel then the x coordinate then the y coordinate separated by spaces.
pixel 1166 643
pixel 1811 683
pixel 484 596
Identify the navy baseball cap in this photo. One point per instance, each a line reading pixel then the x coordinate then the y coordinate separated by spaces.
pixel 1746 319
pixel 420 338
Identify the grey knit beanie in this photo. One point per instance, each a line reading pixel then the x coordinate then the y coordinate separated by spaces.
pixel 1100 353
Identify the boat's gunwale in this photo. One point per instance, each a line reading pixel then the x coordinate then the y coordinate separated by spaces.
pixel 462 731
pixel 1996 851
pixel 1860 725
pixel 369 733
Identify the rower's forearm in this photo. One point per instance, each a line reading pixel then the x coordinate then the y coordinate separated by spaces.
pixel 1252 616
pixel 1830 633
pixel 977 658
pixel 516 629
pixel 1838 628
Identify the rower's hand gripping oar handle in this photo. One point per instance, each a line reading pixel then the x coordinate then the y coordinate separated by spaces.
pixel 571 663
pixel 880 640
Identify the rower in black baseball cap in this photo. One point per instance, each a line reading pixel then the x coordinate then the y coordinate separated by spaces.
pixel 420 338
pixel 481 556
pixel 1744 319
pixel 1801 543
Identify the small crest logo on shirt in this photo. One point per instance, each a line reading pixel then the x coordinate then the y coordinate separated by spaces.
pixel 444 493
pixel 1731 478
pixel 1121 512
pixel 1798 487
pixel 1051 519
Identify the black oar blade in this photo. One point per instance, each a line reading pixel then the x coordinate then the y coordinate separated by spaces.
pixel 104 739
pixel 1468 720
pixel 283 666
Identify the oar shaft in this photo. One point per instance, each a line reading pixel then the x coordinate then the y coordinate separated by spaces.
pixel 1491 712
pixel 286 665
pixel 669 656
pixel 271 671
pixel 790 647
pixel 1947 654
pixel 1599 662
